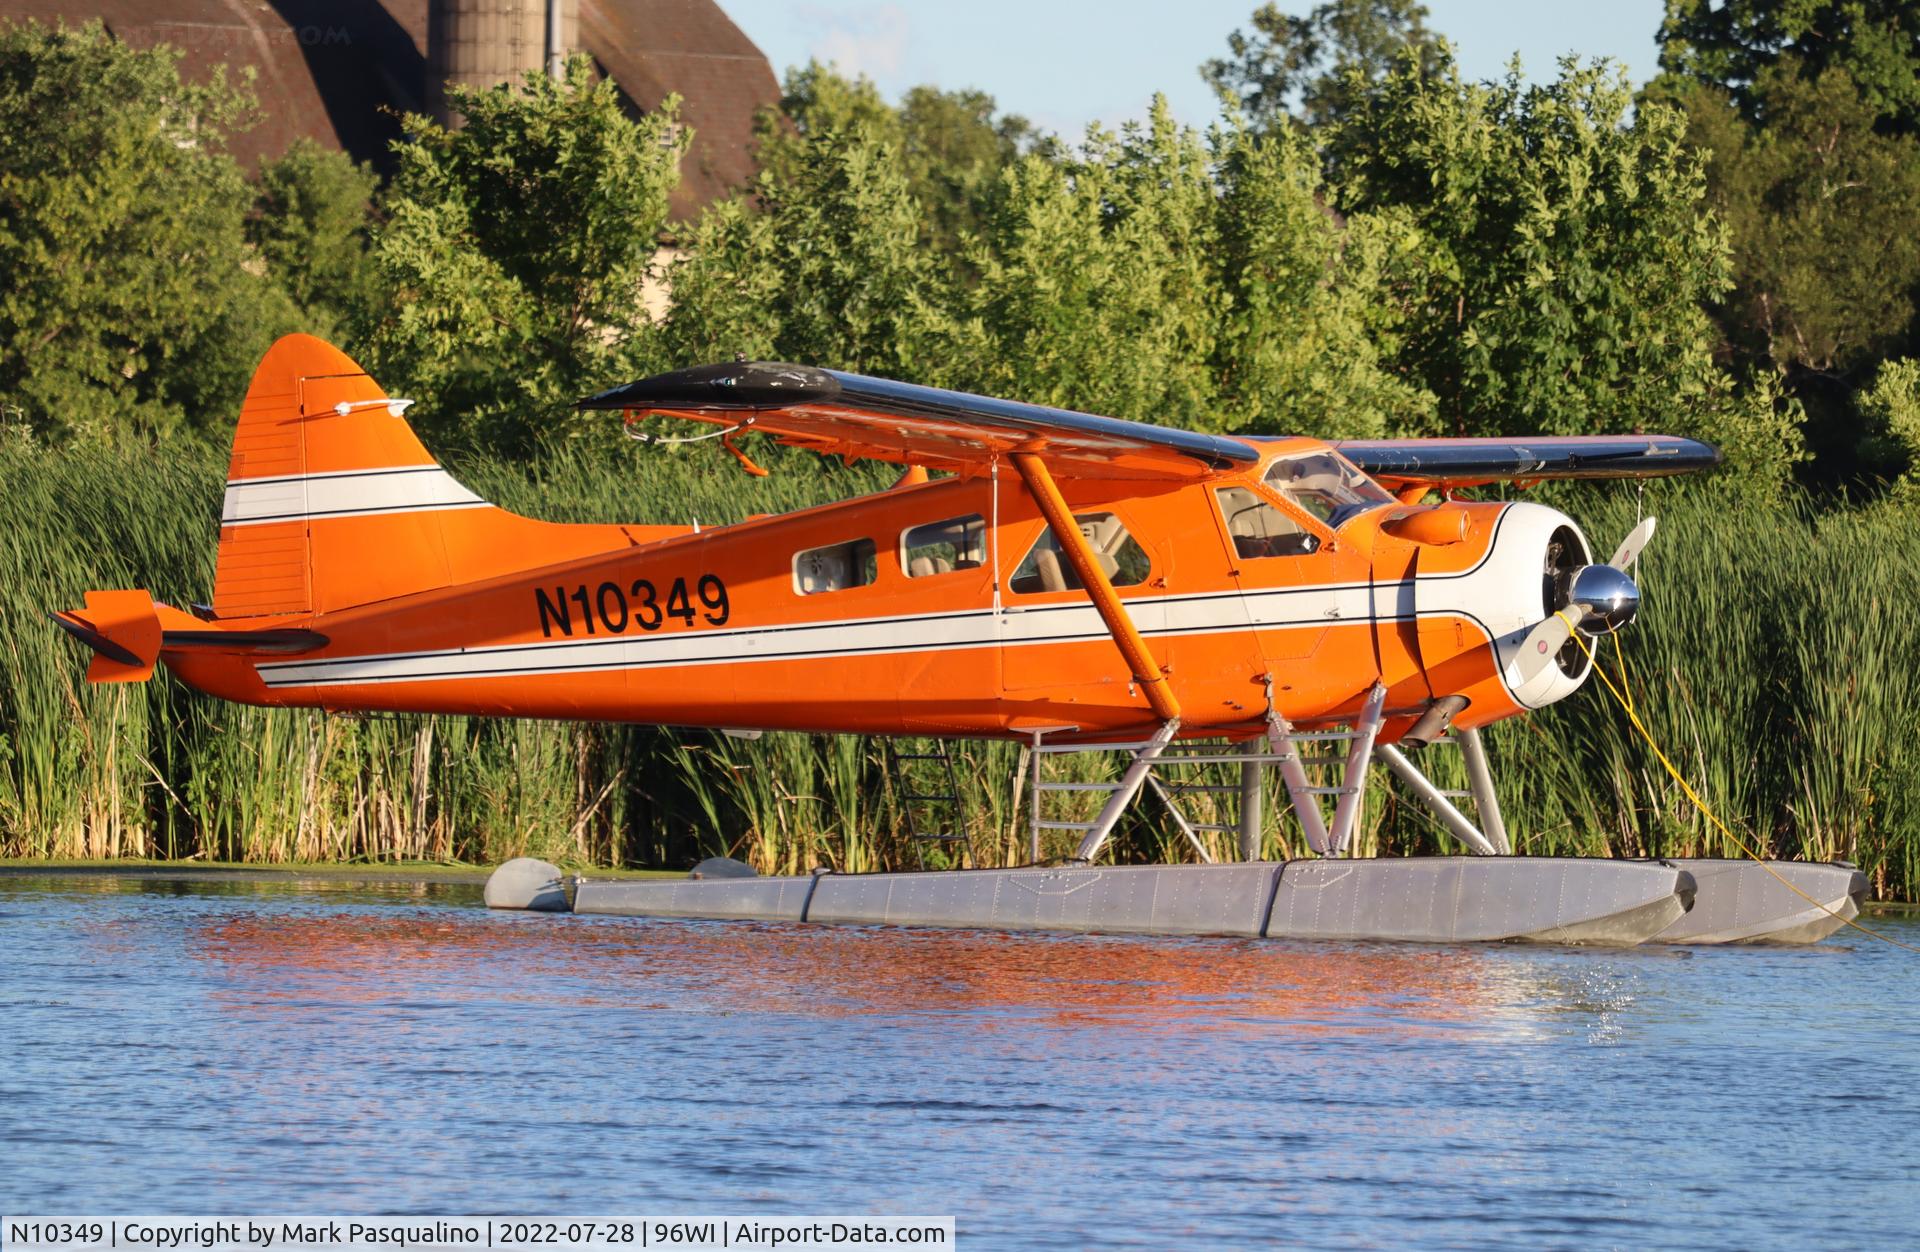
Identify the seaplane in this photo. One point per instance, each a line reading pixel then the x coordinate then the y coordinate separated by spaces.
pixel 1073 582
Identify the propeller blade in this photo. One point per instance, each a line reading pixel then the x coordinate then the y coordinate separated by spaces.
pixel 1541 645
pixel 1630 546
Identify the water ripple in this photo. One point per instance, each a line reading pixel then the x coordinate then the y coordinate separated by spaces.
pixel 207 1048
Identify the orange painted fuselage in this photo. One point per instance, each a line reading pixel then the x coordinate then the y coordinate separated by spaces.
pixel 936 607
pixel 710 629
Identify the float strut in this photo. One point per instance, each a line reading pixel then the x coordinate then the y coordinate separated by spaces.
pixel 1359 756
pixel 1430 795
pixel 1480 779
pixel 1281 743
pixel 1251 773
pixel 1123 794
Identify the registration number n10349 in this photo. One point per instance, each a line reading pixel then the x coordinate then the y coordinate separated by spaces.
pixel 617 608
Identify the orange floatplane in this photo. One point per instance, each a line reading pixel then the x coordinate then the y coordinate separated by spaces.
pixel 1076 582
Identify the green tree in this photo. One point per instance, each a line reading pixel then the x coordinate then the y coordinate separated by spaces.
pixel 951 145
pixel 1308 327
pixel 1811 115
pixel 821 263
pixel 1730 44
pixel 310 222
pixel 127 302
pixel 1821 207
pixel 1154 276
pixel 1322 63
pixel 1567 258
pixel 1889 415
pixel 1097 282
pixel 514 252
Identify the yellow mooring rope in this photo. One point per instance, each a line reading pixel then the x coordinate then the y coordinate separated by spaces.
pixel 1620 694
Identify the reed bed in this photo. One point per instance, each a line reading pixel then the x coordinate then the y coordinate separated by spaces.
pixel 1775 663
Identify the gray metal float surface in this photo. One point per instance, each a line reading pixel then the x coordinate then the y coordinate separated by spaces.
pixel 759 899
pixel 1746 901
pixel 1422 900
pixel 1477 899
pixel 1127 899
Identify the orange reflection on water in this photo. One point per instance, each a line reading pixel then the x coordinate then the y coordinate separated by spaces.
pixel 842 971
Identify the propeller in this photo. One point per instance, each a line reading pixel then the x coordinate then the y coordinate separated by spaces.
pixel 1629 548
pixel 1600 600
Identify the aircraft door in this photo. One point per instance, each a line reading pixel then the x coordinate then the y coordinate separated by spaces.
pixel 1305 590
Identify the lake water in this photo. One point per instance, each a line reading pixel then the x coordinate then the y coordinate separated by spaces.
pixel 322 1048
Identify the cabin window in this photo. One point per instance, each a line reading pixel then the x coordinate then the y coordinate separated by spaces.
pixel 943 547
pixel 1046 567
pixel 835 567
pixel 1326 485
pixel 1259 529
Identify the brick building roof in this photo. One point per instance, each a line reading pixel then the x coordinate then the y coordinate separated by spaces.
pixel 329 68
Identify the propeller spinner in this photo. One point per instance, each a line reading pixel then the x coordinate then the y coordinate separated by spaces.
pixel 1600 600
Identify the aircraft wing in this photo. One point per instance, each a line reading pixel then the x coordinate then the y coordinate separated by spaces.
pixel 1472 462
pixel 853 415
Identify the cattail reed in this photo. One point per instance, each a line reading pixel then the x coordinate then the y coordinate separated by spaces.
pixel 1775 662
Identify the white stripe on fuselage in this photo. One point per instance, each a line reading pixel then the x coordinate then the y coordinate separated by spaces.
pixel 348 493
pixel 1469 594
pixel 1155 617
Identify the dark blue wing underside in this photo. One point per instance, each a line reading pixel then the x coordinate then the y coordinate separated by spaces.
pixel 909 422
pixel 1556 457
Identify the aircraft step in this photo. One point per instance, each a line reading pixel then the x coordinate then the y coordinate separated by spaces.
pixel 1224 758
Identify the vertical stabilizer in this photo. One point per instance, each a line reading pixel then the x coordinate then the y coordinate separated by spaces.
pixel 332 501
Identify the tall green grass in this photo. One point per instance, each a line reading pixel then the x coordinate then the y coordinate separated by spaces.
pixel 1775 660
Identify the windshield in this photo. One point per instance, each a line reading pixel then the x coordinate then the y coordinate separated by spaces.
pixel 1326 485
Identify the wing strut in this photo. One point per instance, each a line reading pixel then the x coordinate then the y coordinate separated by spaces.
pixel 1146 672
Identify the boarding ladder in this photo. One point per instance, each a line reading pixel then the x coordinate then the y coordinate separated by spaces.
pixel 1294 752
pixel 933 816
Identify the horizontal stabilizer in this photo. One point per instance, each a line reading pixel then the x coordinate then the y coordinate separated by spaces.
pixel 128 631
pixel 285 641
pixel 122 628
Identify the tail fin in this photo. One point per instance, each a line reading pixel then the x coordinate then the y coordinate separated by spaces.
pixel 333 502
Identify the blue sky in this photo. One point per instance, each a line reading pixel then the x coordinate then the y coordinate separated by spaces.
pixel 1065 63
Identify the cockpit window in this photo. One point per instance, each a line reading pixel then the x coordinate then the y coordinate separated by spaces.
pixel 1326 485
pixel 1260 529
